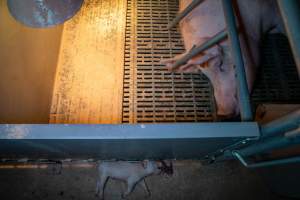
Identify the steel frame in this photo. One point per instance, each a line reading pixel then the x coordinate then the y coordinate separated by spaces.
pixel 156 141
pixel 128 142
pixel 290 11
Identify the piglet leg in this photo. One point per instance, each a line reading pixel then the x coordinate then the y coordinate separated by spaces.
pixel 100 186
pixel 144 185
pixel 130 185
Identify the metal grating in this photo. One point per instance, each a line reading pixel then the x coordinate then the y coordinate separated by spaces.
pixel 151 94
pixel 277 80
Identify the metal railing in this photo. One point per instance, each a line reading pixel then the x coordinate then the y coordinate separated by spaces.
pixel 232 33
pixel 291 16
pixel 271 133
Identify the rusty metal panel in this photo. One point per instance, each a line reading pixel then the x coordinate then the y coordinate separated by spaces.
pixel 89 81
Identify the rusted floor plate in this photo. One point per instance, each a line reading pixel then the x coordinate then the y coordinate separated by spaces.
pixel 89 80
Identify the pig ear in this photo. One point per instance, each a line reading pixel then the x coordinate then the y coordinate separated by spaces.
pixel 145 163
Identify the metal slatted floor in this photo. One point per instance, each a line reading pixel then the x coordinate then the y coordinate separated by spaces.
pixel 151 94
pixel 277 80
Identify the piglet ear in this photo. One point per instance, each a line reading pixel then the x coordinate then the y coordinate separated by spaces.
pixel 145 163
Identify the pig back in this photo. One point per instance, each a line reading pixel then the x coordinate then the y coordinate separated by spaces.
pixel 203 22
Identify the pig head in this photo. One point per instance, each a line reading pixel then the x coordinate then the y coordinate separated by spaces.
pixel 254 19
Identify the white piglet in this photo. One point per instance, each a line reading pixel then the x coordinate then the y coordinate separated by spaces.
pixel 130 172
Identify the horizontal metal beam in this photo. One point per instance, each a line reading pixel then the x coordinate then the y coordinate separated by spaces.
pixel 130 142
pixel 184 13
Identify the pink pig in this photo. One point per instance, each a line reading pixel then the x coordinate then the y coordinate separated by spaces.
pixel 254 17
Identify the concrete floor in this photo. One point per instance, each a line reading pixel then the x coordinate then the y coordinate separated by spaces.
pixel 190 181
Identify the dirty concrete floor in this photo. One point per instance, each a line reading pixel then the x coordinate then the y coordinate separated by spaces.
pixel 190 181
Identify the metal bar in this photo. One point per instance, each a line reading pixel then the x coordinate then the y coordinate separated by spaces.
pixel 290 12
pixel 272 143
pixel 266 163
pixel 184 13
pixel 197 50
pixel 129 142
pixel 244 99
pixel 46 166
pixel 281 125
pixel 293 133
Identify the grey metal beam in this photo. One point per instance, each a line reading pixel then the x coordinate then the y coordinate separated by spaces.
pixel 290 12
pixel 130 142
pixel 244 99
pixel 184 13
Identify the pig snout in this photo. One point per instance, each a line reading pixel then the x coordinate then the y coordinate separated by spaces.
pixel 227 105
pixel 225 93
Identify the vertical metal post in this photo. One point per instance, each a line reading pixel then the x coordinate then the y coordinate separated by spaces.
pixel 242 87
pixel 290 12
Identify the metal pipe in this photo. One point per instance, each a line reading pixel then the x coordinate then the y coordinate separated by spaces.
pixel 265 144
pixel 281 125
pixel 273 143
pixel 266 163
pixel 184 13
pixel 244 99
pixel 196 50
pixel 293 133
pixel 46 166
pixel 290 12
